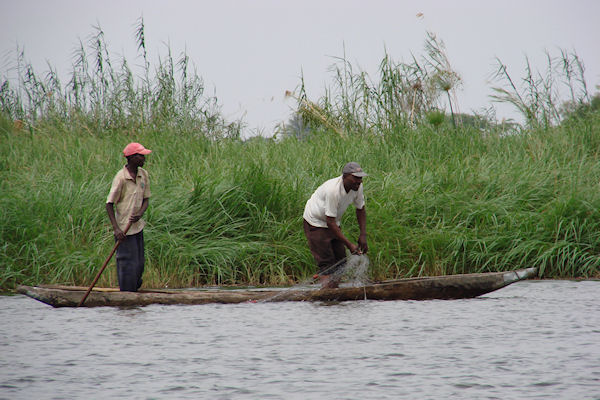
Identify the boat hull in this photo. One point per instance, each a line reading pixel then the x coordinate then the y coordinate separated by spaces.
pixel 440 287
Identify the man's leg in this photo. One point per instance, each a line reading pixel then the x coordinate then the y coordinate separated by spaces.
pixel 140 258
pixel 325 252
pixel 339 252
pixel 128 263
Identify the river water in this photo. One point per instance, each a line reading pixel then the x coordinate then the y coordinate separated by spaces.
pixel 530 340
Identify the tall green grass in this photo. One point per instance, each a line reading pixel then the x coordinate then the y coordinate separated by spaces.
pixel 401 96
pixel 226 212
pixel 105 94
pixel 441 198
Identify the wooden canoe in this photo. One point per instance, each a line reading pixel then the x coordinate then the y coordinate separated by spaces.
pixel 436 287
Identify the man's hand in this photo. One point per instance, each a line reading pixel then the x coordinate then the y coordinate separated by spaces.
pixel 362 243
pixel 119 235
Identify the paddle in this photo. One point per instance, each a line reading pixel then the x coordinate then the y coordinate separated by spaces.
pixel 103 267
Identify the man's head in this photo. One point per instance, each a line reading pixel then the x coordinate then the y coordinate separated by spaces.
pixel 135 154
pixel 354 169
pixel 135 148
pixel 352 175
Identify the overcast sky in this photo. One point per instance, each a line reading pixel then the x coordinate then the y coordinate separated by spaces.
pixel 251 52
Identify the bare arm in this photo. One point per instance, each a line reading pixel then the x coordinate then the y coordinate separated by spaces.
pixel 338 233
pixel 361 217
pixel 137 215
pixel 110 210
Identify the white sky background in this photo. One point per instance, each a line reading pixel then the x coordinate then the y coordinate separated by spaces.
pixel 250 52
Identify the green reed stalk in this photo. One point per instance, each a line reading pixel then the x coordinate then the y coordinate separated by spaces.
pixel 440 199
pixel 449 201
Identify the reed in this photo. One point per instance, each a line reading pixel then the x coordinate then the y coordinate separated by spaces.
pixel 400 96
pixel 229 212
pixel 103 94
pixel 537 95
pixel 440 199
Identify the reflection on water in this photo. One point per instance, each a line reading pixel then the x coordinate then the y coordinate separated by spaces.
pixel 533 339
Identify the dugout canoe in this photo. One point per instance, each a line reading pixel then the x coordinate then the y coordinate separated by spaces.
pixel 425 288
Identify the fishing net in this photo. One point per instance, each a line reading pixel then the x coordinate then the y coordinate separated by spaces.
pixel 354 271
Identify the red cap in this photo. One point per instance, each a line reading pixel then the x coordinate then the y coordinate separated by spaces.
pixel 135 148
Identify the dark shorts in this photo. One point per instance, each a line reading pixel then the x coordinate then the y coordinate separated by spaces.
pixel 325 248
pixel 130 262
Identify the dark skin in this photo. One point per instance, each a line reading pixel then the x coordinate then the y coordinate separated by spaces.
pixel 133 163
pixel 352 182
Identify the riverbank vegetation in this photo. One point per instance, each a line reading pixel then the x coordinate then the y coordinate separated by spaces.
pixel 447 192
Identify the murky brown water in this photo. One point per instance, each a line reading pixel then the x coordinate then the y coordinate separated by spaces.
pixel 531 340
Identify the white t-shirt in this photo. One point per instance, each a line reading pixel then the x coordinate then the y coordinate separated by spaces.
pixel 331 200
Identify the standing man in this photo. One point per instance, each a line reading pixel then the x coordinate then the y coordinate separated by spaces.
pixel 322 216
pixel 130 192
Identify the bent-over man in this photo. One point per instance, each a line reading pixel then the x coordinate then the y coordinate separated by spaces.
pixel 322 217
pixel 130 192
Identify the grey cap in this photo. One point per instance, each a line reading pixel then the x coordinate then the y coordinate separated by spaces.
pixel 354 169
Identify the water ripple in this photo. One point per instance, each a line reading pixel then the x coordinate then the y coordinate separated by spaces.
pixel 546 331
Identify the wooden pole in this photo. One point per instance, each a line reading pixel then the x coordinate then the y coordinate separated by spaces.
pixel 103 267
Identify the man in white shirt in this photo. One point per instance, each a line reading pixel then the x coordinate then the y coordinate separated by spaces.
pixel 322 216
